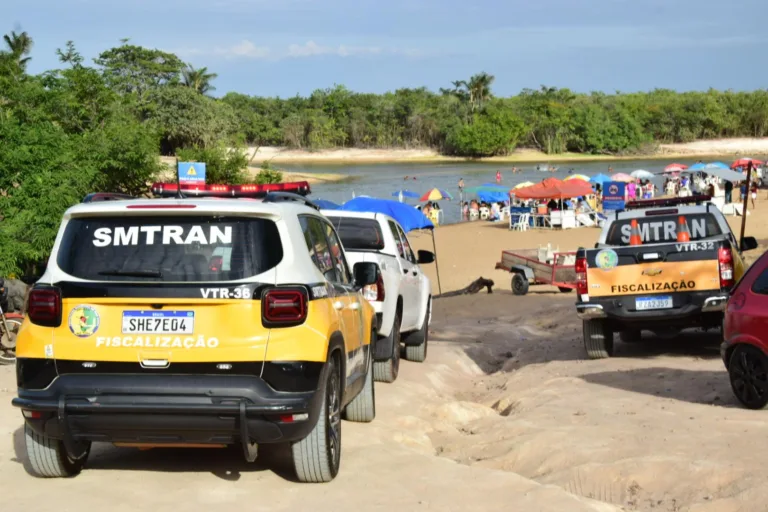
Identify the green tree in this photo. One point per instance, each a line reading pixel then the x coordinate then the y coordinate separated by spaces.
pixel 198 79
pixel 17 56
pixel 131 69
pixel 222 165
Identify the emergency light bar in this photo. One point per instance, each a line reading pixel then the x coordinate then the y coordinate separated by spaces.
pixel 252 190
pixel 670 201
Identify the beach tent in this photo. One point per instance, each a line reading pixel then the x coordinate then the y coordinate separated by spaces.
pixel 718 170
pixel 553 188
pixel 407 216
pixel 490 192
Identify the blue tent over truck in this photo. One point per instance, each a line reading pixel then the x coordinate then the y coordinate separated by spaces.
pixel 407 216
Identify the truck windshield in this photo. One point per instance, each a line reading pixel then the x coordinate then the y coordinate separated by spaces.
pixel 358 234
pixel 663 228
pixel 169 248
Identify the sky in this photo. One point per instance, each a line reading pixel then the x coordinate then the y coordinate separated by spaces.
pixel 288 47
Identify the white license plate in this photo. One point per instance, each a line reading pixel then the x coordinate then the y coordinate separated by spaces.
pixel 158 322
pixel 645 303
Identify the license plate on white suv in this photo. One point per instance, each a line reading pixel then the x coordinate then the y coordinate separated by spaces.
pixel 646 303
pixel 158 322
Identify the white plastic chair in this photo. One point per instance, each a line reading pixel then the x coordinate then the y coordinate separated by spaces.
pixel 522 222
pixel 484 213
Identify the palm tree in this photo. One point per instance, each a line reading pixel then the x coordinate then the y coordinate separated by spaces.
pixel 477 90
pixel 19 46
pixel 198 79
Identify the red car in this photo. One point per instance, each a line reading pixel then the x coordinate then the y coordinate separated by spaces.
pixel 745 331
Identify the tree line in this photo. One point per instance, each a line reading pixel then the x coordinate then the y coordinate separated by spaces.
pixel 100 126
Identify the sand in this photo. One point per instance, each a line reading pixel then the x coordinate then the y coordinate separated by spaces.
pixel 703 148
pixel 506 414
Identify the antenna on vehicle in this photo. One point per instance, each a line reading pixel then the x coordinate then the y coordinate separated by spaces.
pixel 179 194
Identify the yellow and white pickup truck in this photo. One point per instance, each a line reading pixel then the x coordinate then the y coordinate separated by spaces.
pixel 657 268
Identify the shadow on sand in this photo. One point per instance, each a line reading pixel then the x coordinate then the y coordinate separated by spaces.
pixel 224 463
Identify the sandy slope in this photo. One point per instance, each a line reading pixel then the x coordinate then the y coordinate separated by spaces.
pixel 387 465
pixel 740 146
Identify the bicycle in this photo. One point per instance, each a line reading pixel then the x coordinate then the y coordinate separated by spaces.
pixel 10 323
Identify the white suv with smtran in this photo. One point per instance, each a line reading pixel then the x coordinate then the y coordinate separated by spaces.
pixel 401 297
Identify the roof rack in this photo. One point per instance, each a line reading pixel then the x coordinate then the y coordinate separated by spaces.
pixel 95 197
pixel 275 197
pixel 669 201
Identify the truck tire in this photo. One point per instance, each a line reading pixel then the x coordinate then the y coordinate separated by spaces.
pixel 317 457
pixel 48 458
pixel 747 369
pixel 386 371
pixel 362 408
pixel 519 284
pixel 598 339
pixel 416 342
pixel 631 336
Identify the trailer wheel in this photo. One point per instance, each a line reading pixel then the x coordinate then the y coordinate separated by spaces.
pixel 519 284
pixel 564 290
pixel 598 339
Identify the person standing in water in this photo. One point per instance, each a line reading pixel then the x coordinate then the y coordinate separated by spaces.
pixel 498 177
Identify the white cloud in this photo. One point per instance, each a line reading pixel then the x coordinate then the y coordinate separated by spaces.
pixel 246 49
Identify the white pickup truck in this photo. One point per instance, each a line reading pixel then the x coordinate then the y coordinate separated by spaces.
pixel 403 296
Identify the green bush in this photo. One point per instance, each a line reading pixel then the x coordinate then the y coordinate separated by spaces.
pixel 222 165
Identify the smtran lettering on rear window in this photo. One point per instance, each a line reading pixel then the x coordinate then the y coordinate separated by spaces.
pixel 663 229
pixel 164 235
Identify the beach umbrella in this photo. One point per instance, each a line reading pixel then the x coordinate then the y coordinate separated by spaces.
pixel 743 162
pixel 675 168
pixel 577 177
pixel 523 185
pixel 436 194
pixel 703 167
pixel 640 174
pixel 600 179
pixel 620 176
pixel 405 193
pixel 487 187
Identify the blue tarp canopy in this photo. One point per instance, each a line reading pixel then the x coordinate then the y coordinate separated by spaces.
pixel 324 204
pixel 490 196
pixel 409 217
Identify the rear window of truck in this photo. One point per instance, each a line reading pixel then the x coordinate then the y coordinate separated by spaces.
pixel 359 234
pixel 169 248
pixel 663 228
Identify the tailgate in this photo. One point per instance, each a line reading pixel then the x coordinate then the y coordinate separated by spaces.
pixel 149 325
pixel 653 269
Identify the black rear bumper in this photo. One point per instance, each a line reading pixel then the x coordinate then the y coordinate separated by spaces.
pixel 169 409
pixel 688 308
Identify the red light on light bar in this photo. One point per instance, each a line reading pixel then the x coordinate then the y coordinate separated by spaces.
pixel 250 190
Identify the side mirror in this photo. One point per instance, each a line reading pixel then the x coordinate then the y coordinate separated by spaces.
pixel 425 257
pixel 748 243
pixel 365 273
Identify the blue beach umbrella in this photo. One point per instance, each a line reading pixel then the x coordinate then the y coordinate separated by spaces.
pixel 405 193
pixel 324 204
pixel 600 179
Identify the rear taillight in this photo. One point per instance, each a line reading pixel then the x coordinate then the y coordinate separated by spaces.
pixel 44 307
pixel 725 261
pixel 581 276
pixel 375 292
pixel 283 307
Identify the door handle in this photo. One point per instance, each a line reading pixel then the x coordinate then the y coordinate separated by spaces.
pixel 338 305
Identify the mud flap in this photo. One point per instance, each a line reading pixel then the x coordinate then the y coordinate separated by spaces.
pixel 74 450
pixel 250 450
